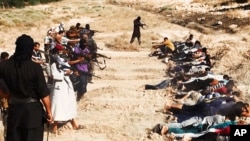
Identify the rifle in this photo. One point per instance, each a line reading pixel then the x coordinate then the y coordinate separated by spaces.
pixel 95 31
pixel 144 24
pixel 90 74
pixel 42 51
pixel 99 48
pixel 81 72
pixel 95 55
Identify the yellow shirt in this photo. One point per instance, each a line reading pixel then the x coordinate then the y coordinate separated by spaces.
pixel 169 44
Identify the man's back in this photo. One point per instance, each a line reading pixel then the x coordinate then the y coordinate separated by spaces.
pixel 28 82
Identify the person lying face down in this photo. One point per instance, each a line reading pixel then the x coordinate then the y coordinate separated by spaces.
pixel 198 128
pixel 227 105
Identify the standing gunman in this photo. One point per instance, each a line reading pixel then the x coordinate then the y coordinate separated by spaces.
pixel 23 83
pixel 136 31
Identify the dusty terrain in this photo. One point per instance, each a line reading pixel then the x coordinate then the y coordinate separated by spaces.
pixel 116 106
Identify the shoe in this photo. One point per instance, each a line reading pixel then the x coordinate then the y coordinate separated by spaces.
pixel 79 127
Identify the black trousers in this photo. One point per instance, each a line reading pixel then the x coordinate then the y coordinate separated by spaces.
pixel 25 122
pixel 82 89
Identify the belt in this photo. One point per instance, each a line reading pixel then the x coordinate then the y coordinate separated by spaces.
pixel 14 100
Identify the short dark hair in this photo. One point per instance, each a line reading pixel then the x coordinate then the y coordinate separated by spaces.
pixel 87 26
pixel 236 93
pixel 78 24
pixel 226 77
pixel 4 55
pixel 36 43
pixel 61 31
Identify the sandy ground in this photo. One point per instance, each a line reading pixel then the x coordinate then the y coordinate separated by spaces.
pixel 116 106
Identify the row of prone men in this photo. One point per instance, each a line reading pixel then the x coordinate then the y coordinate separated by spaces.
pixel 200 105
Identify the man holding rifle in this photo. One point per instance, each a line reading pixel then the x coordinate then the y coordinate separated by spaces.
pixel 136 31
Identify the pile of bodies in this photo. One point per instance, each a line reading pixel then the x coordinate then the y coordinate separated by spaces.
pixel 204 104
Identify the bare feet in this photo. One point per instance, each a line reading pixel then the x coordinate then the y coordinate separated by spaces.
pixel 167 106
pixel 171 137
pixel 186 138
pixel 79 127
pixel 76 126
pixel 54 128
pixel 164 130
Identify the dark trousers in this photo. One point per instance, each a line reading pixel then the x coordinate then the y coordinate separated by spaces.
pixel 83 85
pixel 135 36
pixel 25 122
pixel 162 85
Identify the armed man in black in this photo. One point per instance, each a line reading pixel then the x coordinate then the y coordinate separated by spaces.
pixel 27 92
pixel 136 31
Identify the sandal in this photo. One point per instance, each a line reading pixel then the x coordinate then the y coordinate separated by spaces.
pixel 80 127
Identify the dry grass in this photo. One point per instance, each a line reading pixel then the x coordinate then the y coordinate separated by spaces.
pixel 22 18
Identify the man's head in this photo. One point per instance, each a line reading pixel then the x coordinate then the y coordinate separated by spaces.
pixel 236 95
pixel 78 25
pixel 4 56
pixel 24 47
pixel 191 36
pixel 226 77
pixel 138 18
pixel 36 46
pixel 87 26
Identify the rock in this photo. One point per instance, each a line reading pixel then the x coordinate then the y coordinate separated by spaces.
pixel 232 26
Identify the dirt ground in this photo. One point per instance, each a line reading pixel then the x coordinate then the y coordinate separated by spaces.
pixel 116 106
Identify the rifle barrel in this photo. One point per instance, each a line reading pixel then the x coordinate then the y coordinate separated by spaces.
pixel 41 51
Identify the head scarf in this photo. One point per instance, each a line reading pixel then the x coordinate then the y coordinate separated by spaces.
pixel 24 48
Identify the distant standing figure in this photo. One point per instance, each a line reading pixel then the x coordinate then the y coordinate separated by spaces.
pixel 136 31
pixel 87 31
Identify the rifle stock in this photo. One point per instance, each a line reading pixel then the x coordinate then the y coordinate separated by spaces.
pixel 99 48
